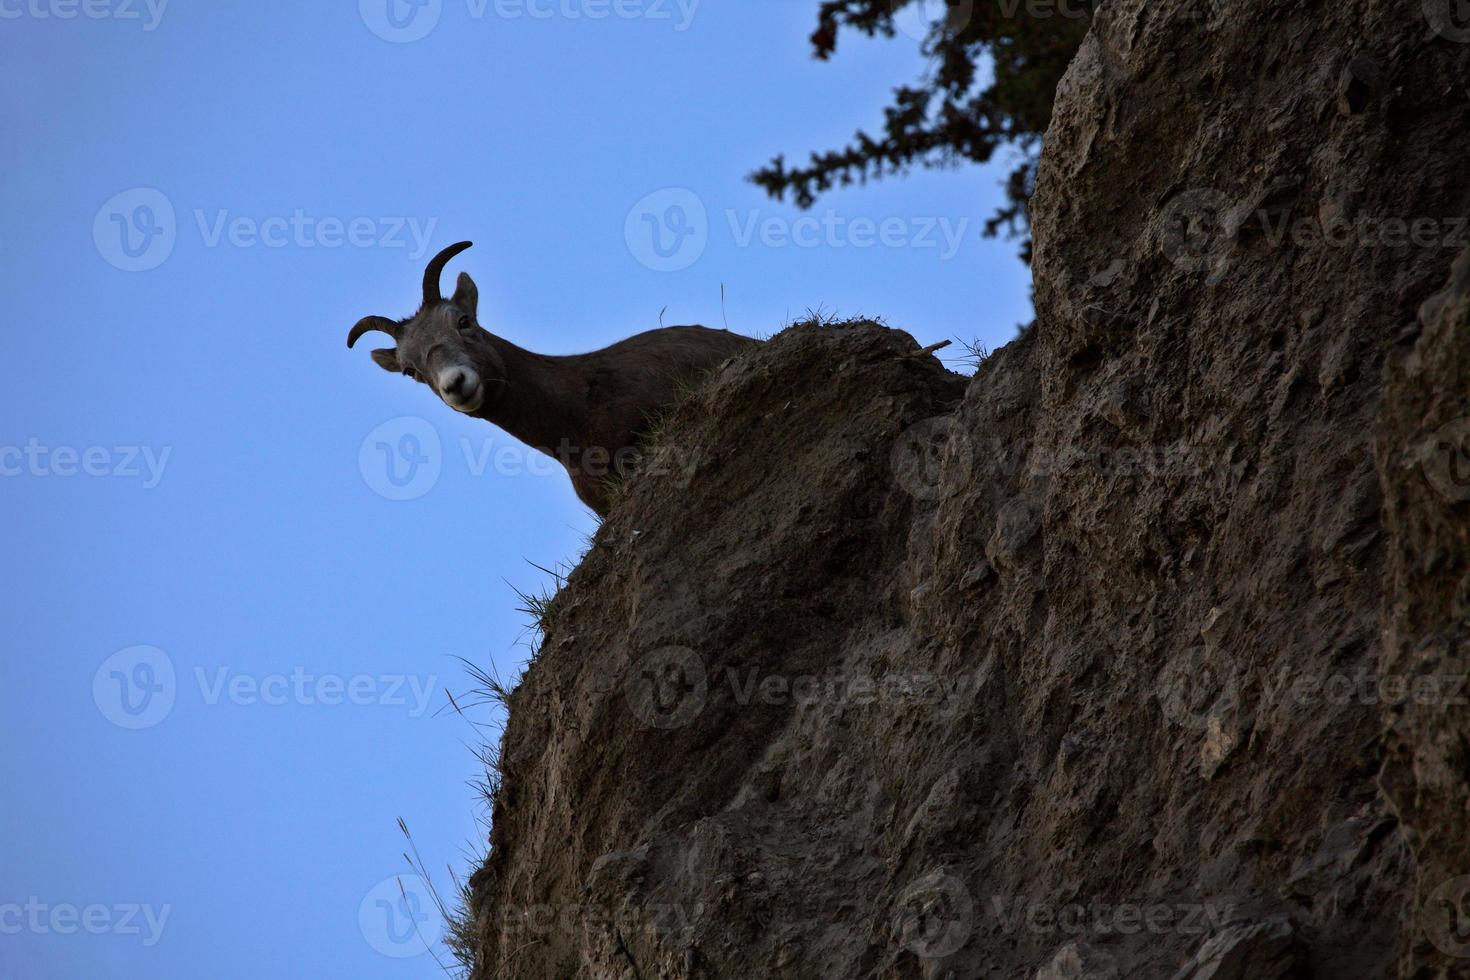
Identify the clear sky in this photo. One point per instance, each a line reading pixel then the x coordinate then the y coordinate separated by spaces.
pixel 241 560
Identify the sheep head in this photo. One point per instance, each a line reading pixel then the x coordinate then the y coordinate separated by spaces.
pixel 442 345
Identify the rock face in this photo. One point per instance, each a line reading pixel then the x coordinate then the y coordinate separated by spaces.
pixel 1139 654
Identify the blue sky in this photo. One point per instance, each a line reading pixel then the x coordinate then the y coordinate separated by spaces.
pixel 229 626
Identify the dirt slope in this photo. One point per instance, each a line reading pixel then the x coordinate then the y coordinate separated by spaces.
pixel 1139 654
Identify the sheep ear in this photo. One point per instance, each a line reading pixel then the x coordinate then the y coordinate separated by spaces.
pixel 387 359
pixel 466 294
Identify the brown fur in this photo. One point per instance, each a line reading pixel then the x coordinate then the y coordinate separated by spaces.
pixel 587 411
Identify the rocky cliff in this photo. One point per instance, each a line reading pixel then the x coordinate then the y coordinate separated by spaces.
pixel 1141 653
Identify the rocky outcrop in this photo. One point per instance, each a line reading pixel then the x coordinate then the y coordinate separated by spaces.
pixel 1138 654
pixel 1423 452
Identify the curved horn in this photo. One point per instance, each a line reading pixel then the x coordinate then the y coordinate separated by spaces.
pixel 370 323
pixel 436 269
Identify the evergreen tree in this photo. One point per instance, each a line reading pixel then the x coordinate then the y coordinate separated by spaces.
pixel 950 115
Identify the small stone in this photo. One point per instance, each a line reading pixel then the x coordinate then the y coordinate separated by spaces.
pixel 1217 746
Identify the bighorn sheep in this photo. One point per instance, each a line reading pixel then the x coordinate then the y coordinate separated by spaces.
pixel 588 411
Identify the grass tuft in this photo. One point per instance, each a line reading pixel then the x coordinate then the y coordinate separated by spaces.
pixel 460 929
pixel 975 354
pixel 461 926
pixel 824 319
pixel 539 605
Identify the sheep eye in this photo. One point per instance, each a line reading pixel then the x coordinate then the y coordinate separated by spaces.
pixel 410 373
pixel 464 323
